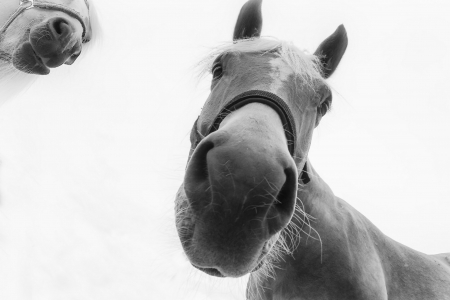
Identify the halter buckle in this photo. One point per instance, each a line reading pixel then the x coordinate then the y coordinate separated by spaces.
pixel 27 4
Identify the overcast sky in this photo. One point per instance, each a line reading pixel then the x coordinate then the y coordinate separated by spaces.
pixel 91 155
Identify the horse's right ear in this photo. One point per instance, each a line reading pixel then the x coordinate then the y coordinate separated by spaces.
pixel 249 22
pixel 331 51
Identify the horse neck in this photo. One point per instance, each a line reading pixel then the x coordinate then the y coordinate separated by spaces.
pixel 315 196
pixel 344 256
pixel 335 225
pixel 326 256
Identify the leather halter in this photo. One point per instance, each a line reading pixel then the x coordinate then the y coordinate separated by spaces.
pixel 276 103
pixel 42 4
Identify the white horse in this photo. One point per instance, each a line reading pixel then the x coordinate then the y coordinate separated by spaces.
pixel 37 35
pixel 250 191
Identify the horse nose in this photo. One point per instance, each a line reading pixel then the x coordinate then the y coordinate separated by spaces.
pixel 241 178
pixel 59 27
pixel 55 42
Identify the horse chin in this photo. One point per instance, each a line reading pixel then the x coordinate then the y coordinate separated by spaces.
pixel 231 270
pixel 199 250
pixel 199 255
pixel 223 274
pixel 26 60
pixel 257 266
pixel 210 271
pixel 216 273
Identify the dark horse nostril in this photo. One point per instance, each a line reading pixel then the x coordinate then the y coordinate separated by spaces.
pixel 196 178
pixel 286 199
pixel 59 26
pixel 198 166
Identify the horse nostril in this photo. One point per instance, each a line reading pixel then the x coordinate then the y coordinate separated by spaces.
pixel 198 166
pixel 282 209
pixel 287 196
pixel 59 26
pixel 196 178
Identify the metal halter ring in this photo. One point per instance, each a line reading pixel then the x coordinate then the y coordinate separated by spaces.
pixel 30 3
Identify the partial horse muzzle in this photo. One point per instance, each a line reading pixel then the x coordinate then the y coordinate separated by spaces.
pixel 51 44
pixel 54 42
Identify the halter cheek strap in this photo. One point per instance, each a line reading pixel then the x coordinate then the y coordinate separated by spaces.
pixel 28 4
pixel 23 5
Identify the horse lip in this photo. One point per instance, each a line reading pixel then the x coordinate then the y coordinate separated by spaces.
pixel 39 61
pixel 216 273
pixel 186 240
pixel 25 59
pixel 38 58
pixel 210 271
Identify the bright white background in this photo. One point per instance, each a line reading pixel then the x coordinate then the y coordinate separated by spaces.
pixel 91 155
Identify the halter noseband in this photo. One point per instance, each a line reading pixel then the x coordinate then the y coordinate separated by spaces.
pixel 28 4
pixel 276 103
pixel 267 98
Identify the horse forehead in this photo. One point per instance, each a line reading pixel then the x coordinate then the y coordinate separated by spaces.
pixel 280 73
pixel 256 63
pixel 280 68
pixel 266 64
pixel 265 71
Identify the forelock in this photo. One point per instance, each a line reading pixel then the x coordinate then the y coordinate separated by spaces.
pixel 306 67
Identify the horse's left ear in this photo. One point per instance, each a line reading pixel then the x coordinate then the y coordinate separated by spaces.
pixel 249 22
pixel 331 50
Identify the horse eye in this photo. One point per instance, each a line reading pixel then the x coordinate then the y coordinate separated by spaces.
pixel 324 107
pixel 217 71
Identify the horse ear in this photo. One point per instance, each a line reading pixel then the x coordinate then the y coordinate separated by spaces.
pixel 249 22
pixel 331 50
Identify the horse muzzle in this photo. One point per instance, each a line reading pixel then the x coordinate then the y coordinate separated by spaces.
pixel 241 185
pixel 51 44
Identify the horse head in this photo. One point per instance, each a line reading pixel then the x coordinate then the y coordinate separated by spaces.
pixel 36 35
pixel 250 146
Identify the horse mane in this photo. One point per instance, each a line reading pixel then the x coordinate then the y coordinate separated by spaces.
pixel 306 67
pixel 13 82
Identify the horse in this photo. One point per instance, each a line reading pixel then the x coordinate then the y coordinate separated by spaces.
pixel 36 35
pixel 252 203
